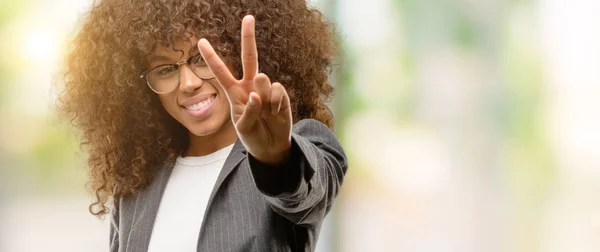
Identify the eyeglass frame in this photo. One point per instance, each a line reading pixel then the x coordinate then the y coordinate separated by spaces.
pixel 176 65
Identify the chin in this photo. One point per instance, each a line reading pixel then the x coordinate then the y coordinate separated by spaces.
pixel 206 128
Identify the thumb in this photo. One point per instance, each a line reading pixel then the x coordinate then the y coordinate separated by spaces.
pixel 251 113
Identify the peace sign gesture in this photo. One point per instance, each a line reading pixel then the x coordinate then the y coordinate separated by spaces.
pixel 260 111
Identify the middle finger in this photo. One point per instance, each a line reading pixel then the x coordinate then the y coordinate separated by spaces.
pixel 249 51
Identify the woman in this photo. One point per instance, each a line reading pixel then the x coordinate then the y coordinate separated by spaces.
pixel 206 146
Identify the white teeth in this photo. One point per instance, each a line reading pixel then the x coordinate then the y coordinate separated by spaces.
pixel 201 104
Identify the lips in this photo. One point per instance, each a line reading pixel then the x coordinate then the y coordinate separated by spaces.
pixel 202 104
pixel 197 99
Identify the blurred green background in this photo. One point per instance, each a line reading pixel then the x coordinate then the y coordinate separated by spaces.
pixel 469 126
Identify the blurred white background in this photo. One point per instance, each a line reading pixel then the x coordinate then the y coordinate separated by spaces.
pixel 469 125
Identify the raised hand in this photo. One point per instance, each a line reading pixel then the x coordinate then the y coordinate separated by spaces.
pixel 260 110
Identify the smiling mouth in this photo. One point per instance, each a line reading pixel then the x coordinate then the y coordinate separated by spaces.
pixel 202 104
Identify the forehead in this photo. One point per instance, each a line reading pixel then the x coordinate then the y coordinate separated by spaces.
pixel 178 48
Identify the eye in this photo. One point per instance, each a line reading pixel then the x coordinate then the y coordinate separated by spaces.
pixel 198 60
pixel 167 69
pixel 164 71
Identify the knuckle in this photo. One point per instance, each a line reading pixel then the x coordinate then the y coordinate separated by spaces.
pixel 263 79
pixel 249 56
pixel 278 89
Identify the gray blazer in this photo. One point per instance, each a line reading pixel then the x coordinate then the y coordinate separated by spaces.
pixel 252 207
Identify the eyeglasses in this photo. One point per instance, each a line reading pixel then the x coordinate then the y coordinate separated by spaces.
pixel 165 78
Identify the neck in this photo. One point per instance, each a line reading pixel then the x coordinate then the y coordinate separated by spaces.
pixel 204 145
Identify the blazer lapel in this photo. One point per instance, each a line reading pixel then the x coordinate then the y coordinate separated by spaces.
pixel 146 208
pixel 147 202
pixel 237 154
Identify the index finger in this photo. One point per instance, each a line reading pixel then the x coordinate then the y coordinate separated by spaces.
pixel 215 64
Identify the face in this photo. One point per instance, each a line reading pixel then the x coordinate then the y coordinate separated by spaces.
pixel 199 105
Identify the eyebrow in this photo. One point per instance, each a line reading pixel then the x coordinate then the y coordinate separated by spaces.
pixel 158 58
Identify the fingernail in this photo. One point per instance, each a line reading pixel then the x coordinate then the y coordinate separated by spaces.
pixel 275 110
pixel 250 100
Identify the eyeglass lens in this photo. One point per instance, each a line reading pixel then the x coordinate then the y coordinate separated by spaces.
pixel 165 78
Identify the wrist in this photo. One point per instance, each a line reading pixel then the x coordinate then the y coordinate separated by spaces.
pixel 275 159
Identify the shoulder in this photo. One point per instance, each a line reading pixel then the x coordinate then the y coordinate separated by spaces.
pixel 311 126
pixel 314 131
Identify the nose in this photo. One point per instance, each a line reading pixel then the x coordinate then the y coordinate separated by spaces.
pixel 188 80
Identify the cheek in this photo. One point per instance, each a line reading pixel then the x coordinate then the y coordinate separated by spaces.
pixel 224 108
pixel 168 102
pixel 224 101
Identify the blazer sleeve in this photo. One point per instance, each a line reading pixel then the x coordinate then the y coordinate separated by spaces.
pixel 303 189
pixel 114 229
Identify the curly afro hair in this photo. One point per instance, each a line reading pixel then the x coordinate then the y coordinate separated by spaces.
pixel 125 129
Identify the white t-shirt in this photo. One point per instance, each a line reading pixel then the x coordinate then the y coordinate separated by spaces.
pixel 184 201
